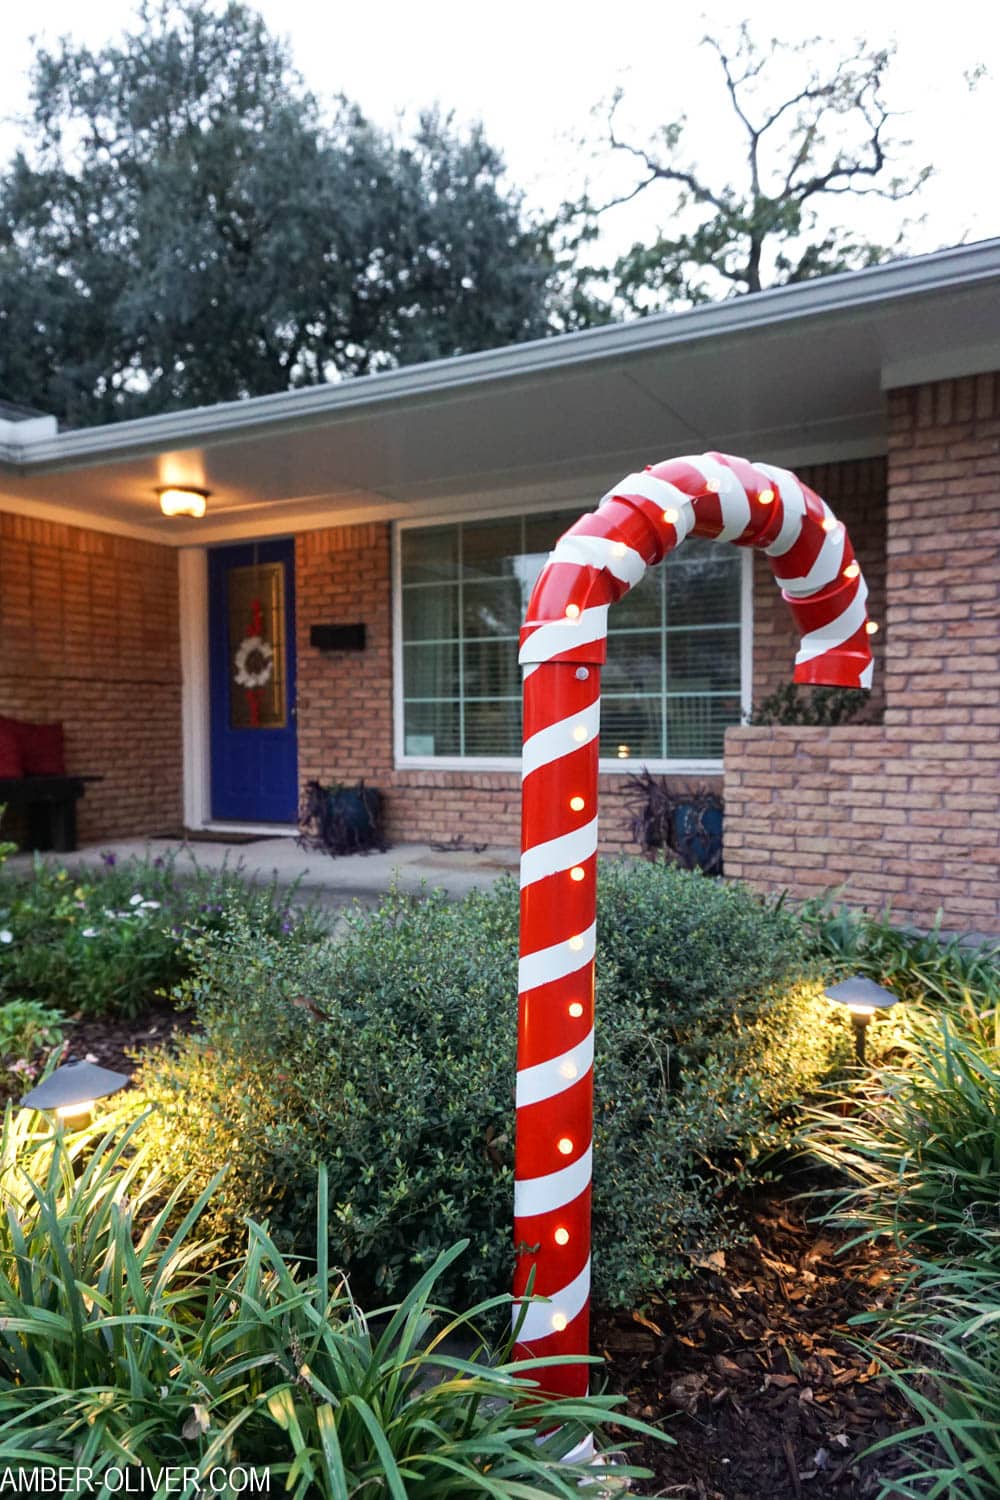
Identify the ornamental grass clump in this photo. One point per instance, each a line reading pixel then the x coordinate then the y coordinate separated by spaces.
pixel 388 1057
pixel 123 1342
pixel 918 1140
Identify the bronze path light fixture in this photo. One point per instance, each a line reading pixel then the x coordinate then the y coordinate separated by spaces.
pixel 863 997
pixel 73 1089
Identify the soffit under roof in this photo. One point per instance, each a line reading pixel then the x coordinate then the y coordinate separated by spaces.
pixel 792 376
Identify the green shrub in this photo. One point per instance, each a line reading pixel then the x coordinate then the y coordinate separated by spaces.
pixel 388 1056
pixel 26 1028
pixel 115 1348
pixel 107 940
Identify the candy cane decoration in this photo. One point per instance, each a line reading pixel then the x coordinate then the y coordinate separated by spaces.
pixel 563 644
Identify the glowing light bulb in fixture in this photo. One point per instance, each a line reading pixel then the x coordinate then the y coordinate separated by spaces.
pixel 872 627
pixel 671 516
pixel 561 1236
pixel 71 1111
pixel 569 1070
pixel 575 1009
pixel 580 733
pixel 576 943
pixel 619 549
pixel 765 497
pixel 559 1321
pixel 852 570
pixel 572 611
pixel 176 501
pixel 624 752
pixel 577 804
pixel 577 873
pixel 711 486
pixel 564 1146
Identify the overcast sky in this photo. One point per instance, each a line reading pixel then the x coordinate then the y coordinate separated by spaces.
pixel 533 72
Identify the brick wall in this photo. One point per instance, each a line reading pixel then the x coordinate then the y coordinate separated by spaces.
pixel 89 636
pixel 909 811
pixel 345 705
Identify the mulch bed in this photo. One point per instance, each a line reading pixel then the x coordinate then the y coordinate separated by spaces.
pixel 108 1039
pixel 752 1370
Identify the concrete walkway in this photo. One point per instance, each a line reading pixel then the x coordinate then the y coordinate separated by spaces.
pixel 323 880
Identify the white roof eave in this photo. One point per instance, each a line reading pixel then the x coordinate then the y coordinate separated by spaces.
pixel 832 297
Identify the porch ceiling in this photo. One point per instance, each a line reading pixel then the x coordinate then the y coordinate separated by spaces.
pixel 794 375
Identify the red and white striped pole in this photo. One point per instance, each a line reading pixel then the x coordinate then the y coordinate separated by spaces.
pixel 563 641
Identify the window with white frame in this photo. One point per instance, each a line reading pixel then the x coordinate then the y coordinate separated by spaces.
pixel 671 686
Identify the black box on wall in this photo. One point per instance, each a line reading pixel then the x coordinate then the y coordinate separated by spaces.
pixel 337 637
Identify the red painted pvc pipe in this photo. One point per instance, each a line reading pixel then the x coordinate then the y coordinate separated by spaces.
pixel 562 648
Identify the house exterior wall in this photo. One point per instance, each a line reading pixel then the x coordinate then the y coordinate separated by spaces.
pixel 89 635
pixel 345 700
pixel 908 812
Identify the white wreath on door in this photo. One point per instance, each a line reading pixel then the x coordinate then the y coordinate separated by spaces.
pixel 254 645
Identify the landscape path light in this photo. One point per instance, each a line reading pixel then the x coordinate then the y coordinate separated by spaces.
pixel 563 640
pixel 863 997
pixel 73 1089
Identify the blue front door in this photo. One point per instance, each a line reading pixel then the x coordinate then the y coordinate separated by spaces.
pixel 252 678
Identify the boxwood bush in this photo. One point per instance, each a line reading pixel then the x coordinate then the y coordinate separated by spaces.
pixel 388 1057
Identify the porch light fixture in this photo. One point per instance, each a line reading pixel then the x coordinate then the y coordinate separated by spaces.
pixel 73 1088
pixel 863 997
pixel 175 501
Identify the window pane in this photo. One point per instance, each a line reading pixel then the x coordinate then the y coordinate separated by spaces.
pixel 491 669
pixel 703 660
pixel 431 671
pixel 703 583
pixel 641 606
pixel 696 726
pixel 490 548
pixel 430 614
pixel 635 663
pixel 431 729
pixel 493 727
pixel 631 728
pixel 492 609
pixel 430 554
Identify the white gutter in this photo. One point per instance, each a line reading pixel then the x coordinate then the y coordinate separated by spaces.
pixel 852 292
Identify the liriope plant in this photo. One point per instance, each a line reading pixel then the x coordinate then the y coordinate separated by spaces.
pixel 121 1344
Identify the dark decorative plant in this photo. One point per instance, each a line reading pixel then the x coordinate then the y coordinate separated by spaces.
pixel 822 706
pixel 341 819
pixel 676 819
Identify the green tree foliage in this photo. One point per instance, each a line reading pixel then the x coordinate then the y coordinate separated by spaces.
pixel 811 131
pixel 183 225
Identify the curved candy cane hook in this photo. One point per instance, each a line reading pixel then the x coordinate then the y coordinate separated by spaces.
pixel 563 641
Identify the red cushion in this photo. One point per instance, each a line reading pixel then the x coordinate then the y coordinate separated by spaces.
pixel 40 745
pixel 10 751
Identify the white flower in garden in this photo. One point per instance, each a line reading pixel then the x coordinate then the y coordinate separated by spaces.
pixel 6 936
pixel 151 906
pixel 89 932
pixel 135 900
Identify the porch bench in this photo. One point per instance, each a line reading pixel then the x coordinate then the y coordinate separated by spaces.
pixel 51 806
